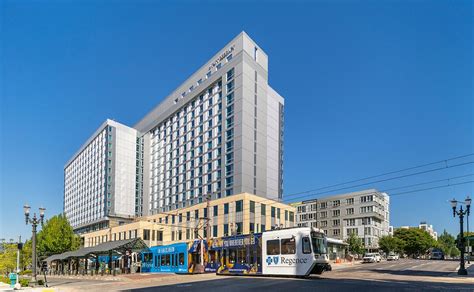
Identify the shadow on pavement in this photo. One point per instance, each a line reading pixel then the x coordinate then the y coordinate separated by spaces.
pixel 317 284
pixel 411 272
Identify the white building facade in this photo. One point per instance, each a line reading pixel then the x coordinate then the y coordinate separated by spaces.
pixel 218 134
pixel 364 213
pixel 99 180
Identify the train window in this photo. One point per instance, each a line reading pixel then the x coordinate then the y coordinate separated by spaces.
pixel 288 246
pixel 148 257
pixel 163 260
pixel 181 259
pixel 273 247
pixel 158 261
pixel 306 245
pixel 167 259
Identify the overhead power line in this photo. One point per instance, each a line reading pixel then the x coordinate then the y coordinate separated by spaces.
pixel 383 174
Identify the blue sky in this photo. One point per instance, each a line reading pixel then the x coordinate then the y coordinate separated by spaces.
pixel 369 87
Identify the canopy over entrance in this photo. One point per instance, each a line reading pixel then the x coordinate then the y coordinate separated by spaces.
pixel 106 248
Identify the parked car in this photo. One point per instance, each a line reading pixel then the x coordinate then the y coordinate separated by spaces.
pixel 436 254
pixel 393 257
pixel 371 258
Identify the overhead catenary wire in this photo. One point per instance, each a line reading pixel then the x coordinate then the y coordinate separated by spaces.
pixel 177 211
pixel 295 195
pixel 383 174
pixel 193 220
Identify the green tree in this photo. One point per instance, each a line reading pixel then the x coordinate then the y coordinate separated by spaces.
pixel 26 254
pixel 56 236
pixel 355 244
pixel 446 242
pixel 8 258
pixel 415 241
pixel 390 243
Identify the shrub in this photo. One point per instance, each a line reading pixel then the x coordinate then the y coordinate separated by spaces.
pixel 40 282
pixel 4 279
pixel 24 282
pixel 26 272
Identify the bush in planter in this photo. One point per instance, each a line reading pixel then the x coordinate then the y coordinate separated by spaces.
pixel 26 272
pixel 40 282
pixel 24 282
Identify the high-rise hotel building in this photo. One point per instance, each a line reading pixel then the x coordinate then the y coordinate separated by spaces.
pixel 219 133
pixel 100 179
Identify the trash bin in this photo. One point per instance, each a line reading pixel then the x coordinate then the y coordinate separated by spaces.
pixel 13 277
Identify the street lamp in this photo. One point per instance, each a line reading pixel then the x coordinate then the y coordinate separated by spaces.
pixel 34 222
pixel 462 269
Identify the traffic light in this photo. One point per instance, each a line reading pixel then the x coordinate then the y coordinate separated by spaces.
pixel 20 246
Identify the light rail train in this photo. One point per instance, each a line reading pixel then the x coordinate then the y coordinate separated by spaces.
pixel 298 251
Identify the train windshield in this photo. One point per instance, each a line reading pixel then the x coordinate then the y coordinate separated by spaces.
pixel 319 243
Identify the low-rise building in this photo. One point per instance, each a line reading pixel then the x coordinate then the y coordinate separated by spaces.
pixel 364 213
pixel 424 226
pixel 238 214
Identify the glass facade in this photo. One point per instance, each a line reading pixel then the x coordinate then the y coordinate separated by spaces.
pixel 192 151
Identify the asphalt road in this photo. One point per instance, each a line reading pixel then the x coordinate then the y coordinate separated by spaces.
pixel 405 267
pixel 402 275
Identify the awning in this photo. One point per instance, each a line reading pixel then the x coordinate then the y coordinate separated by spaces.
pixel 119 246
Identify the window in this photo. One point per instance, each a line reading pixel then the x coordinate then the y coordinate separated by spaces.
pixel 323 205
pixel 273 247
pixel 230 86
pixel 273 212
pixel 263 228
pixel 350 201
pixel 252 207
pixel 306 243
pixel 263 211
pixel 214 230
pixel 226 229
pixel 336 232
pixel 146 234
pixel 288 246
pixel 336 203
pixel 230 98
pixel 239 206
pixel 364 199
pixel 352 231
pixel 350 211
pixel 335 222
pixel 226 208
pixel 181 258
pixel 239 228
pixel 230 74
pixel 216 211
pixel 351 222
pixel 252 227
pixel 336 213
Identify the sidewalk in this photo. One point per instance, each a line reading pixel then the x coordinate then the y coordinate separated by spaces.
pixel 470 272
pixel 344 265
